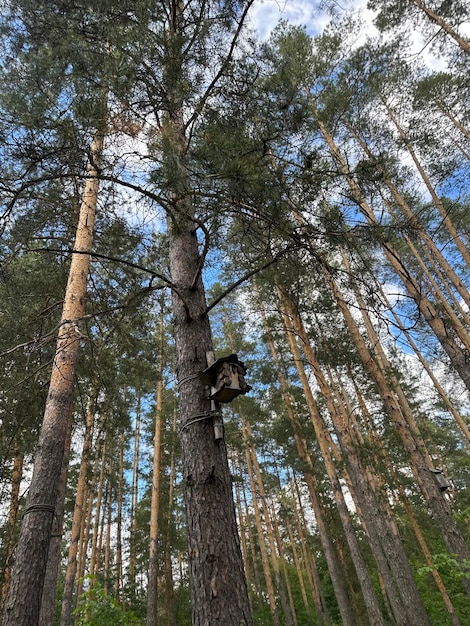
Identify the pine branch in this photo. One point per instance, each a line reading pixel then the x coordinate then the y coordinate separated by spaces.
pixel 136 266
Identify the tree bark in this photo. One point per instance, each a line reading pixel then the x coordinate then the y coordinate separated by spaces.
pixel 218 584
pixel 46 617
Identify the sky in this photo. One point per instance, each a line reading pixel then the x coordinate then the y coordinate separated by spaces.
pixel 265 14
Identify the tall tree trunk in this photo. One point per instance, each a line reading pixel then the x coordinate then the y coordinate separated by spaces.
pixel 10 539
pixel 457 355
pixel 416 454
pixel 334 568
pixel 218 585
pixel 445 26
pixel 259 527
pixel 46 616
pixel 242 525
pixel 95 544
pixel 268 522
pixel 293 325
pixel 379 452
pixel 249 532
pixel 109 521
pixel 440 390
pixel 86 528
pixel 120 498
pixel 462 248
pixel 290 618
pixel 217 577
pixel 169 584
pixel 132 571
pixel 152 585
pixel 78 512
pixel 24 599
pixel 309 561
pixel 295 556
pixel 436 254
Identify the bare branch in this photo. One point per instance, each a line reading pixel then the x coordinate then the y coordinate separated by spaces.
pixel 244 278
pixel 136 266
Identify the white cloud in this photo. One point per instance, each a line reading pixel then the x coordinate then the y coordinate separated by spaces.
pixel 265 14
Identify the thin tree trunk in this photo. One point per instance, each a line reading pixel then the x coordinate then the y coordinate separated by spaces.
pixel 134 505
pixel 293 325
pixel 259 527
pixel 437 202
pixel 445 26
pixel 95 544
pixel 268 522
pixel 436 254
pixel 251 540
pixel 303 453
pixel 291 618
pixel 376 444
pixel 309 561
pixel 334 566
pixel 465 132
pixel 296 558
pixel 87 521
pixel 458 356
pixel 440 390
pixel 78 513
pixel 169 584
pixel 152 586
pixel 109 511
pixel 24 600
pixel 242 524
pixel 10 540
pixel 440 509
pixel 120 498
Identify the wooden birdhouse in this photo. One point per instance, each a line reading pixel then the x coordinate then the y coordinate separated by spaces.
pixel 440 479
pixel 226 379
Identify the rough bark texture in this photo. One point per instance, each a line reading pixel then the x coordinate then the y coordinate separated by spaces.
pixel 24 600
pixel 218 584
pixel 46 617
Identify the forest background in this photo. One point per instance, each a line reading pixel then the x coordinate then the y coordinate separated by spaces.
pixel 182 179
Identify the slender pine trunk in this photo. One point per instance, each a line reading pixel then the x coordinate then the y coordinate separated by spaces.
pixel 24 599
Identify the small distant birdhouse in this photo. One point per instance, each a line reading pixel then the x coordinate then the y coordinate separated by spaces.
pixel 226 379
pixel 440 479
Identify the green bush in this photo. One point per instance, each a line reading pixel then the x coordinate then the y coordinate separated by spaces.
pixel 96 608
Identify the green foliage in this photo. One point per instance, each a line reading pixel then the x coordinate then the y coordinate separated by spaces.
pixel 97 608
pixel 452 574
